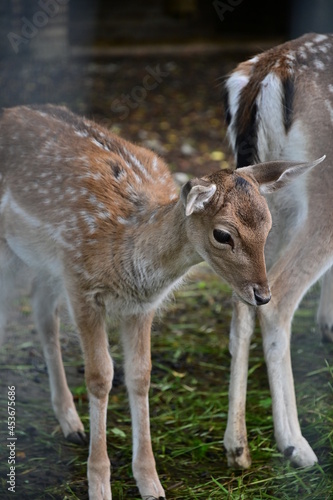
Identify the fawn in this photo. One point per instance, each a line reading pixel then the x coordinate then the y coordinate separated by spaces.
pixel 279 105
pixel 100 221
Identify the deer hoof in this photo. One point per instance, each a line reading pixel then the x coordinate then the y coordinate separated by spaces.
pixel 77 438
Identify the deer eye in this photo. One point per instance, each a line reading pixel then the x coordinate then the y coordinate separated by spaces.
pixel 223 237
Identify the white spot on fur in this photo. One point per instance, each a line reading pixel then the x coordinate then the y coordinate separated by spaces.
pixel 96 176
pixel 81 133
pixel 308 45
pixel 94 141
pixel 100 144
pixel 155 164
pixel 71 191
pixel 164 178
pixel 320 38
pixel 290 56
pixel 302 53
pixel 138 165
pixel 96 203
pixel 137 178
pixel 319 64
pixel 123 221
pixel 104 215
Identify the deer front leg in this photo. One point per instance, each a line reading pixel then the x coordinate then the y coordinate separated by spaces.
pixel 135 332
pixel 289 279
pixel 99 375
pixel 10 265
pixel 235 437
pixel 325 309
pixel 288 435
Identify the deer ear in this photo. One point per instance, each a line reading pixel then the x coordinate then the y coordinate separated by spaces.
pixel 274 175
pixel 195 194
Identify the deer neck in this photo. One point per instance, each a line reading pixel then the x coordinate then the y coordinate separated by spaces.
pixel 160 250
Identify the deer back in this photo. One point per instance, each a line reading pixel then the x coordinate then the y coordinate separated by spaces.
pixel 70 190
pixel 278 102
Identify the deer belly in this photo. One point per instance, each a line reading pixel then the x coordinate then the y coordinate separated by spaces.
pixel 37 244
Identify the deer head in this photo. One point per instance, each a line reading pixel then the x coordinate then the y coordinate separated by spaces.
pixel 228 221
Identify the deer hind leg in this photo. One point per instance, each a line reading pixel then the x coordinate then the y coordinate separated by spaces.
pixel 10 265
pixel 235 437
pixel 325 309
pixel 45 298
pixel 135 333
pixel 290 278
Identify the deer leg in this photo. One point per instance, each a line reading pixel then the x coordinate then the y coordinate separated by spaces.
pixel 235 437
pixel 325 309
pixel 301 266
pixel 9 266
pixel 44 299
pixel 89 317
pixel 135 333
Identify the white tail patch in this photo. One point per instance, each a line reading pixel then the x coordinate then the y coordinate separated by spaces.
pixel 235 84
pixel 271 132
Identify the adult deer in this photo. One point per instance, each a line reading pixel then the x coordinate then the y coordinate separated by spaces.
pixel 100 221
pixel 279 105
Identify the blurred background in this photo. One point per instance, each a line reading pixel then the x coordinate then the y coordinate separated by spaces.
pixel 149 70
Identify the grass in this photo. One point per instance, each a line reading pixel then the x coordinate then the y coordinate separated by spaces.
pixel 189 402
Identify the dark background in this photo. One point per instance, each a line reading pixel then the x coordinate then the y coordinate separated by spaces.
pixel 107 23
pixel 94 57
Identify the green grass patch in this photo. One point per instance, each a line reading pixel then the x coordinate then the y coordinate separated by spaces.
pixel 189 404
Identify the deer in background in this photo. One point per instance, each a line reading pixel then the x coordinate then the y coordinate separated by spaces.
pixel 100 221
pixel 279 105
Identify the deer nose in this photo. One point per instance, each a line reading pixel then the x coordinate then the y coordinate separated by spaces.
pixel 261 298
